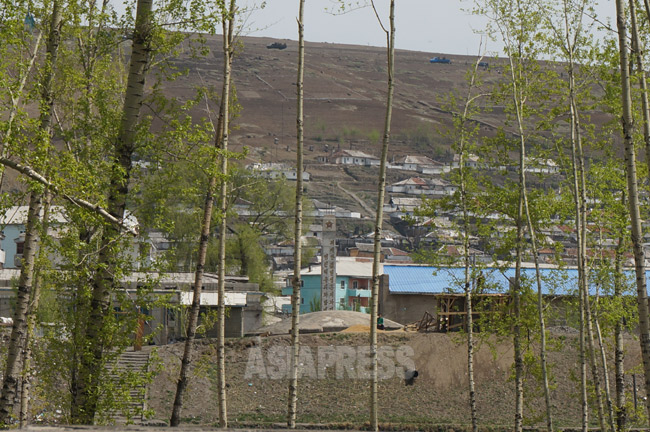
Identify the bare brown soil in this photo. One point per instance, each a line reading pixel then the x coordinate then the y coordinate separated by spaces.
pixel 438 397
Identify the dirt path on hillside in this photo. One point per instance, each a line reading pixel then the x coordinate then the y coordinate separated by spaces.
pixel 354 196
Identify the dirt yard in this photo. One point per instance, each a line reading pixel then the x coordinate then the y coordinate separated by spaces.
pixel 257 389
pixel 334 391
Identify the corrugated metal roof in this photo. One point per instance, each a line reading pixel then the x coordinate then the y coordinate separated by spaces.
pixel 437 280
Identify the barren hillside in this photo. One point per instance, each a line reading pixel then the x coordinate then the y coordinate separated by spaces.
pixel 344 106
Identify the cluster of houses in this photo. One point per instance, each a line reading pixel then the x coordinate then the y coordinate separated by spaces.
pixel 427 166
pixel 407 291
pixel 417 185
pixel 410 291
pixel 277 170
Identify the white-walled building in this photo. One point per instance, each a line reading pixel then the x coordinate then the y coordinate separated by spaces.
pixel 354 157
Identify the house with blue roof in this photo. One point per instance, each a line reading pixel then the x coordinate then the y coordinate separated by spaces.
pixel 408 292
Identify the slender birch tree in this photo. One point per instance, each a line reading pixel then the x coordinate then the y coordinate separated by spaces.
pixel 619 352
pixel 612 309
pixel 465 130
pixel 566 35
pixel 379 215
pixel 26 294
pixel 228 49
pixel 39 268
pixel 218 177
pixel 627 123
pixel 516 23
pixel 297 232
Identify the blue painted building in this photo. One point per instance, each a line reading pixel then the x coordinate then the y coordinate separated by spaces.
pixel 353 283
pixel 13 232
pixel 12 238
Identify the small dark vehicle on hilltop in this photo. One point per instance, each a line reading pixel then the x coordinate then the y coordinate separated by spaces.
pixel 277 45
pixel 443 60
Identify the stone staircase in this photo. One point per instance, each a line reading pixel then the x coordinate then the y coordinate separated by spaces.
pixel 132 361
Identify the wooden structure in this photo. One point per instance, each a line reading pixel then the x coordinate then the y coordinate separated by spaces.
pixel 427 323
pixel 451 311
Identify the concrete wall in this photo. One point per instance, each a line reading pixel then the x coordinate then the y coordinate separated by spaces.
pixel 403 308
pixel 234 324
pixel 6 304
pixel 408 308
pixel 254 312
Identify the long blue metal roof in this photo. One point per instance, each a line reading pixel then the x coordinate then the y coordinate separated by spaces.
pixel 437 280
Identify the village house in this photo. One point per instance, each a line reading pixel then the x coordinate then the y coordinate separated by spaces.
pixel 12 237
pixel 410 292
pixel 541 166
pixel 323 209
pixel 281 255
pixel 354 157
pixel 315 231
pixel 420 186
pixel 471 161
pixel 277 170
pixel 13 222
pixel 456 253
pixel 387 254
pixel 401 206
pixel 421 164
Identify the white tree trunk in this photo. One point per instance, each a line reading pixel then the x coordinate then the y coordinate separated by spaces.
pixel 228 32
pixel 24 309
pixel 379 216
pixel 297 232
pixel 633 195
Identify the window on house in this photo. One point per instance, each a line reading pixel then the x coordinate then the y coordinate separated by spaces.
pixel 20 247
pixel 342 284
pixel 302 282
pixel 302 300
pixel 355 284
